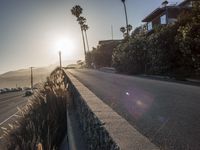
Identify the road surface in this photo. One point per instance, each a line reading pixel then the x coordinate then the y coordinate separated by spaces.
pixel 8 108
pixel 168 113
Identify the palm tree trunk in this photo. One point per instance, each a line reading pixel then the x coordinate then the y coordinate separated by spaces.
pixel 83 42
pixel 126 18
pixel 87 40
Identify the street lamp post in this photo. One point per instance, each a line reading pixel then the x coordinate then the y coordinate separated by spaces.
pixel 31 77
pixel 125 11
pixel 60 59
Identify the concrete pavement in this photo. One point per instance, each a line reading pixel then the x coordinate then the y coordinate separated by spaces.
pixel 166 112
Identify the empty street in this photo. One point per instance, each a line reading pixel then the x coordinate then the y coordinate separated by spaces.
pixel 8 108
pixel 166 112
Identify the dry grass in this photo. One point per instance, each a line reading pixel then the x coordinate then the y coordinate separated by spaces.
pixel 42 123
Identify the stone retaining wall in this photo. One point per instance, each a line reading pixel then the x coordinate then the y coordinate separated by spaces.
pixel 102 127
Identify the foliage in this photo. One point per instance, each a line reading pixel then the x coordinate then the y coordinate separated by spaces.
pixel 42 123
pixel 189 37
pixel 102 55
pixel 130 57
pixel 138 31
pixel 172 50
pixel 88 59
pixel 162 52
pixel 77 11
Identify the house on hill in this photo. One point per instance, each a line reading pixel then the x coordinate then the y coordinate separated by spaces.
pixel 166 14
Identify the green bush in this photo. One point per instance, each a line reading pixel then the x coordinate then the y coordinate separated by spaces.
pixel 102 55
pixel 130 57
pixel 188 38
pixel 172 50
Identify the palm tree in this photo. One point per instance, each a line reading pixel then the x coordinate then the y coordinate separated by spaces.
pixel 85 28
pixel 123 1
pixel 81 20
pixel 123 29
pixel 77 11
pixel 129 27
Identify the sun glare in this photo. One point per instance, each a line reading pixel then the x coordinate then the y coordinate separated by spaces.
pixel 66 46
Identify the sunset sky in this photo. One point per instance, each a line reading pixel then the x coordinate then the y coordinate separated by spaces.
pixel 33 31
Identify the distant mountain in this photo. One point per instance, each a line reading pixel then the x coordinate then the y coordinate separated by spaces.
pixel 21 78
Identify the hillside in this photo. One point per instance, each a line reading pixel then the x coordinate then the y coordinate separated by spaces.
pixel 21 77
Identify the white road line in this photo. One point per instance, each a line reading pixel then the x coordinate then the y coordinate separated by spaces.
pixel 8 118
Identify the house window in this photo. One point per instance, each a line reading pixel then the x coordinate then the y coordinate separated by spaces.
pixel 163 19
pixel 149 26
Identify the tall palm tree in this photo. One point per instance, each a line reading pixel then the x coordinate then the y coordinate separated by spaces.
pixel 129 27
pixel 85 28
pixel 123 29
pixel 77 11
pixel 81 20
pixel 123 1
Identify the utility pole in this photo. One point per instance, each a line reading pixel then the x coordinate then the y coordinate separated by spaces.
pixel 60 59
pixel 126 17
pixel 112 31
pixel 31 77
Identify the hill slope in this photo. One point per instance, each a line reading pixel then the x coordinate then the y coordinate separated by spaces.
pixel 21 77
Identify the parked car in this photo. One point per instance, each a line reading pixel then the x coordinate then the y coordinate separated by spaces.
pixel 19 89
pixel 4 90
pixel 28 92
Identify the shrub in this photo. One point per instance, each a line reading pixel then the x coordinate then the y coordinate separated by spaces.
pixel 130 57
pixel 102 55
pixel 43 121
pixel 172 50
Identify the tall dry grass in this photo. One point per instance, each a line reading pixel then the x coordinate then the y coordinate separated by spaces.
pixel 42 123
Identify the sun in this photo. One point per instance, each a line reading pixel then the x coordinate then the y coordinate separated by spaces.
pixel 64 44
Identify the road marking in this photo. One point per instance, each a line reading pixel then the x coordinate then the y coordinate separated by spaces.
pixel 8 118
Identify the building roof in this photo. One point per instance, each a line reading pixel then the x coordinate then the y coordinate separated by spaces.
pixel 184 2
pixel 157 12
pixel 161 9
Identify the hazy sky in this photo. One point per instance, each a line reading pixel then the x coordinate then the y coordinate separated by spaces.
pixel 32 31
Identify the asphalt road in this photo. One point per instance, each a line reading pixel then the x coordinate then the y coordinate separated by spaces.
pixel 168 113
pixel 8 108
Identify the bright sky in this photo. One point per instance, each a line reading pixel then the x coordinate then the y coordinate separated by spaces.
pixel 33 31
